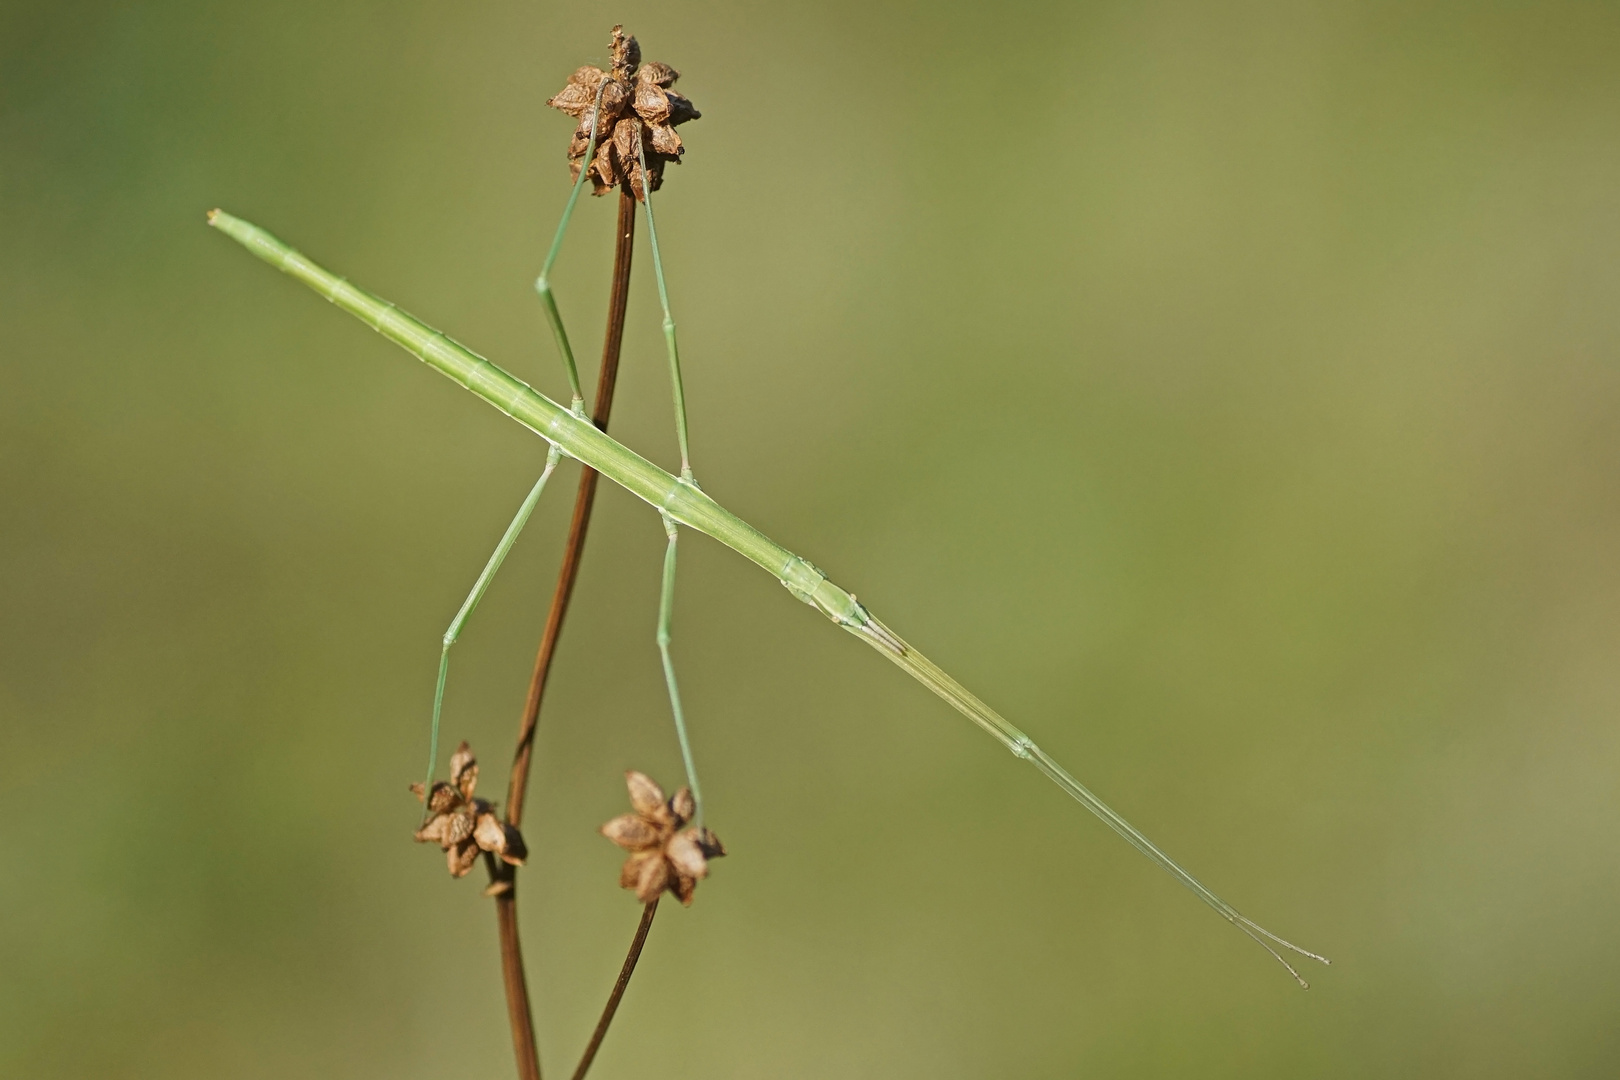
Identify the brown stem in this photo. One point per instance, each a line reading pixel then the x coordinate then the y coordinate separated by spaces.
pixel 524 1047
pixel 503 879
pixel 612 1005
pixel 518 786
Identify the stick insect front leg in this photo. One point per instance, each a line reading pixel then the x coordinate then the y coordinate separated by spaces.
pixel 542 284
pixel 467 607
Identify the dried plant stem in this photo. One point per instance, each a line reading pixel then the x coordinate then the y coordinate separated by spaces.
pixel 517 993
pixel 614 998
pixel 618 300
pixel 518 1013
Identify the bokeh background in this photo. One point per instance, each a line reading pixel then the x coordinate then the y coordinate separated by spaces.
pixel 1227 392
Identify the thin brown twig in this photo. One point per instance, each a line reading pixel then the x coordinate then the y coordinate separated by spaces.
pixel 518 786
pixel 612 1005
pixel 518 1013
pixel 504 878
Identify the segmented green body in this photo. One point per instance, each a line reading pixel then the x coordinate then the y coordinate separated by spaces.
pixel 683 501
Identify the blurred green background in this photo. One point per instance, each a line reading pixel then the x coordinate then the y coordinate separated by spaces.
pixel 1228 393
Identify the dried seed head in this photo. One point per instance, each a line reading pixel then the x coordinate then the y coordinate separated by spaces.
pixel 636 120
pixel 661 856
pixel 463 825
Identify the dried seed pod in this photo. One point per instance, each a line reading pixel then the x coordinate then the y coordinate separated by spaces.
pixel 458 827
pixel 683 806
pixel 685 856
pixel 490 834
pixel 653 879
pixel 631 832
pixel 463 825
pixel 646 797
pixel 464 771
pixel 461 857
pixel 433 831
pixel 443 797
pixel 636 119
pixel 661 856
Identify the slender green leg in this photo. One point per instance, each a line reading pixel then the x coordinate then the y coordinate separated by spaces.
pixel 666 603
pixel 542 284
pixel 666 615
pixel 479 588
pixel 669 322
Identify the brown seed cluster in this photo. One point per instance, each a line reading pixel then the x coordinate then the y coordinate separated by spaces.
pixel 639 111
pixel 463 825
pixel 662 856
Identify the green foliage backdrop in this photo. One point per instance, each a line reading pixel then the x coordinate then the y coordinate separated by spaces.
pixel 1229 393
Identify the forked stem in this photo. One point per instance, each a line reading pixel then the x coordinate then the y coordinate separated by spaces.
pixel 617 993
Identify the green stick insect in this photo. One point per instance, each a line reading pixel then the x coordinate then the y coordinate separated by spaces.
pixel 677 499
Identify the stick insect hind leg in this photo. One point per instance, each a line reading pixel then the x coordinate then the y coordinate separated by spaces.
pixel 666 601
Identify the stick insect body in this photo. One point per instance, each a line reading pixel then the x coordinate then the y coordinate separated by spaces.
pixel 679 501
